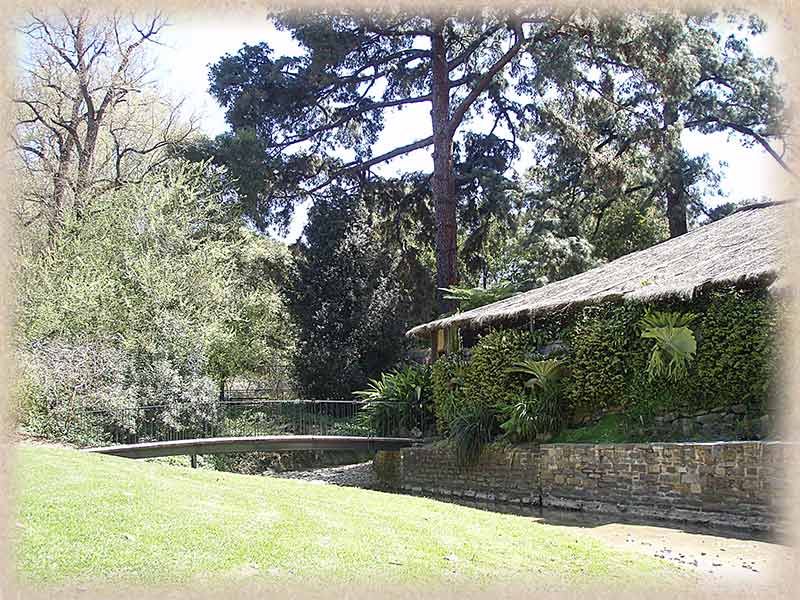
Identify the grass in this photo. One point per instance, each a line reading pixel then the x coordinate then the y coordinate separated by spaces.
pixel 83 518
pixel 611 429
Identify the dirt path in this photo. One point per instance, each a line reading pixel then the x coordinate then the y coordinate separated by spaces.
pixel 728 560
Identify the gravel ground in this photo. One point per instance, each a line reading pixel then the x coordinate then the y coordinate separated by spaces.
pixel 359 475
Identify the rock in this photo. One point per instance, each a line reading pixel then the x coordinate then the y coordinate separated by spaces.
pixel 739 409
pixel 686 425
pixel 707 419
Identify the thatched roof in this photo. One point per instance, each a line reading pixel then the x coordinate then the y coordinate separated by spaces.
pixel 742 248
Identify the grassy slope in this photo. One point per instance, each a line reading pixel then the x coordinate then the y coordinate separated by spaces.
pixel 84 518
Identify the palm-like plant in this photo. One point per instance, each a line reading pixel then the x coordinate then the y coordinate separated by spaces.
pixel 396 401
pixel 470 430
pixel 541 409
pixel 545 375
pixel 674 343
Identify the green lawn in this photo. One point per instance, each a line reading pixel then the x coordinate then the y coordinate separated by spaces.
pixel 84 518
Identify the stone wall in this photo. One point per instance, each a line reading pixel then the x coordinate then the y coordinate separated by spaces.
pixel 501 475
pixel 737 484
pixel 732 423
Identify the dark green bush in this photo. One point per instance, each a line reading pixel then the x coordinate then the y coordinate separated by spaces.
pixel 735 362
pixel 472 428
pixel 447 382
pixel 488 380
pixel 736 355
pixel 399 401
pixel 600 342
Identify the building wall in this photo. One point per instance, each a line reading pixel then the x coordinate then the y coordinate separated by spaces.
pixel 738 484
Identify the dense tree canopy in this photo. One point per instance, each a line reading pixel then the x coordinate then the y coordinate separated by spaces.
pixel 614 134
pixel 344 299
pixel 161 278
pixel 603 99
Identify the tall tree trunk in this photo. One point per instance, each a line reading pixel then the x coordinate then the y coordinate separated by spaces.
pixel 676 209
pixel 85 160
pixel 443 180
pixel 59 188
pixel 676 197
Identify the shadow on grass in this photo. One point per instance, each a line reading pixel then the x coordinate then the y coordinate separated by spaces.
pixel 583 520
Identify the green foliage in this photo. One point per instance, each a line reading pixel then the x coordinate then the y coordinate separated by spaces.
pixel 626 165
pixel 599 343
pixel 469 298
pixel 735 332
pixel 546 243
pixel 344 300
pixel 487 380
pixel 473 427
pixel 605 360
pixel 399 401
pixel 546 375
pixel 737 349
pixel 541 409
pixel 675 344
pixel 448 374
pixel 159 294
pixel 518 417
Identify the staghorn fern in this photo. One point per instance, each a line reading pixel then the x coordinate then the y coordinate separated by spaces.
pixel 674 343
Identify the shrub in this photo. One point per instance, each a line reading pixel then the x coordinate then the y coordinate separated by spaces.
pixel 736 358
pixel 399 401
pixel 600 343
pixel 75 393
pixel 541 409
pixel 735 361
pixel 447 382
pixel 472 428
pixel 488 380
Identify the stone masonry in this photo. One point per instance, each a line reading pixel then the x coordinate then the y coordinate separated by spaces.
pixel 735 484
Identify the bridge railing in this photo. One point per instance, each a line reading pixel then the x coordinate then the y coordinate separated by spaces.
pixel 253 417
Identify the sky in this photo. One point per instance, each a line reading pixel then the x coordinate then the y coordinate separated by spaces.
pixel 193 41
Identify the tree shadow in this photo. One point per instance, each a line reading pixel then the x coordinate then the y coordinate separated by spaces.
pixel 583 520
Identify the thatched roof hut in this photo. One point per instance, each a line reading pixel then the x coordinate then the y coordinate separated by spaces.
pixel 744 248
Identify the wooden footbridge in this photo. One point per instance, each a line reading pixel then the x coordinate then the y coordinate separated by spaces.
pixel 258 425
pixel 263 443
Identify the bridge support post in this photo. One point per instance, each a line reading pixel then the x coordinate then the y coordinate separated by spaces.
pixel 193 459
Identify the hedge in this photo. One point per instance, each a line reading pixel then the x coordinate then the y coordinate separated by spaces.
pixel 607 359
pixel 447 379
